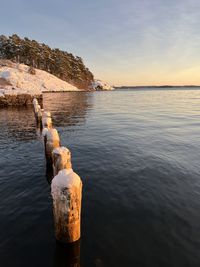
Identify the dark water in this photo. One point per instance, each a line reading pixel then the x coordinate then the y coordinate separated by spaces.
pixel 138 154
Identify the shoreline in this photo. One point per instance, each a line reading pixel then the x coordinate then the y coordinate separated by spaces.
pixel 19 100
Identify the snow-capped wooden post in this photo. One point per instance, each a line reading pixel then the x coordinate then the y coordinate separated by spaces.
pixel 38 113
pixel 46 120
pixel 35 101
pixel 51 141
pixel 61 159
pixel 66 190
pixel 35 105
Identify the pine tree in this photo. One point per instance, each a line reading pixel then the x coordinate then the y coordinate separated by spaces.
pixel 60 63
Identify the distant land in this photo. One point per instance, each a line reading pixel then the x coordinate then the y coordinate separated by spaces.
pixel 155 86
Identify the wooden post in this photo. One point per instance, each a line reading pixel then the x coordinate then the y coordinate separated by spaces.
pixel 46 119
pixel 35 101
pixel 61 159
pixel 66 190
pixel 51 141
pixel 38 113
pixel 36 107
pixel 47 122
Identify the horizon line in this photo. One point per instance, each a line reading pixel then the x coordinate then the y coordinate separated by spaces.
pixel 136 86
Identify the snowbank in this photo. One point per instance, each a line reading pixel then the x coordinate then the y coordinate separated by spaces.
pixel 19 84
pixel 100 85
pixel 16 79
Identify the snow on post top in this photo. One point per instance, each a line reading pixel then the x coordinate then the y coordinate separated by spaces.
pixel 66 178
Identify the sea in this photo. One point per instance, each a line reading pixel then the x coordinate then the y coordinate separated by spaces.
pixel 137 152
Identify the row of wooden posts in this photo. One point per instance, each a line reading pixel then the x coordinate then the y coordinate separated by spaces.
pixel 66 186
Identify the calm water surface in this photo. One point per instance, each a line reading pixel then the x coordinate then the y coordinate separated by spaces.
pixel 137 152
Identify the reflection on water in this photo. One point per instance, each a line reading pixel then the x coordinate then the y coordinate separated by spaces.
pixel 68 109
pixel 67 255
pixel 17 123
pixel 49 172
pixel 137 152
pixel 23 180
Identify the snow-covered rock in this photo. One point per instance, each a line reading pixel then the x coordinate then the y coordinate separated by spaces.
pixel 100 85
pixel 15 79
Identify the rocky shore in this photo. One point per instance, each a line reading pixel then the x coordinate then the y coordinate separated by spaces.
pixel 19 100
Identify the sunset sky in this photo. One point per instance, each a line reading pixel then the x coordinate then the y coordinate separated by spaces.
pixel 124 42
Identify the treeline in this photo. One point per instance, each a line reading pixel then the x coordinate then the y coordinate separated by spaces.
pixel 62 64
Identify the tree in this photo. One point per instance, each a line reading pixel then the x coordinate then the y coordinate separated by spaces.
pixel 62 64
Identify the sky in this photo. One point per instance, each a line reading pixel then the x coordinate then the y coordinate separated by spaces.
pixel 123 42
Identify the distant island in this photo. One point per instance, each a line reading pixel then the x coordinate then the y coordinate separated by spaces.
pixel 155 86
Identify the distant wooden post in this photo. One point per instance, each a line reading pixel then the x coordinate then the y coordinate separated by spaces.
pixel 51 141
pixel 66 190
pixel 46 119
pixel 47 122
pixel 36 108
pixel 35 101
pixel 38 113
pixel 61 159
pixel 35 104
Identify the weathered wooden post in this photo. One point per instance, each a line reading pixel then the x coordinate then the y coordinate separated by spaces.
pixel 46 119
pixel 38 113
pixel 61 159
pixel 36 108
pixel 35 105
pixel 35 101
pixel 51 141
pixel 47 122
pixel 66 190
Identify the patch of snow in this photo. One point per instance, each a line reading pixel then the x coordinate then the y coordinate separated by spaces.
pixel 35 102
pixel 2 94
pixel 61 150
pixel 44 131
pixel 22 82
pixel 46 114
pixel 5 75
pixel 46 122
pixel 65 178
pixel 52 135
pixel 100 85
